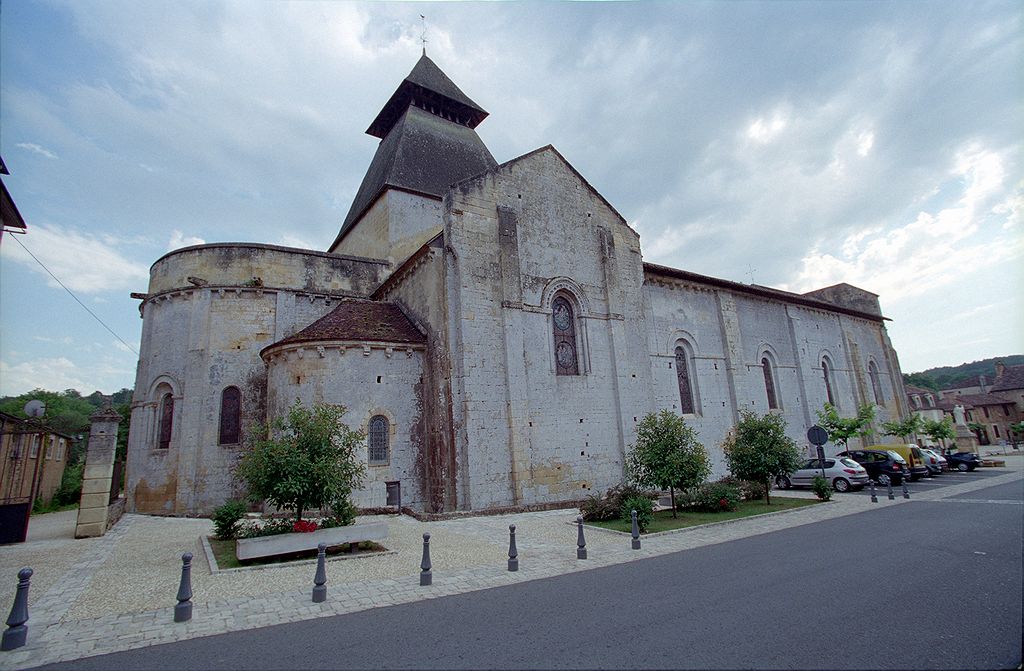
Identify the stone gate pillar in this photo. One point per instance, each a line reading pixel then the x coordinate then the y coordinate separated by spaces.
pixel 99 469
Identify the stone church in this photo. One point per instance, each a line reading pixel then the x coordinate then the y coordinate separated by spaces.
pixel 492 327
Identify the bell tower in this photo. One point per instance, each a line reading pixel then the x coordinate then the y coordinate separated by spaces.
pixel 427 143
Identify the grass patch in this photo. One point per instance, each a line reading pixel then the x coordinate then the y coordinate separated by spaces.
pixel 224 552
pixel 663 520
pixel 41 509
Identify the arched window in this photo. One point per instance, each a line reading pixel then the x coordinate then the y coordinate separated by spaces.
pixel 379 440
pixel 769 383
pixel 230 416
pixel 876 385
pixel 564 328
pixel 166 421
pixel 825 372
pixel 686 404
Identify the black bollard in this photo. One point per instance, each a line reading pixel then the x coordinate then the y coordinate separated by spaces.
pixel 581 543
pixel 513 553
pixel 17 630
pixel 874 499
pixel 636 532
pixel 426 577
pixel 183 611
pixel 889 487
pixel 906 492
pixel 320 579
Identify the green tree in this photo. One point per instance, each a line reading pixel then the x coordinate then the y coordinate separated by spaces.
pixel 939 431
pixel 667 455
pixel 842 429
pixel 904 429
pixel 66 411
pixel 759 450
pixel 977 429
pixel 1017 429
pixel 305 460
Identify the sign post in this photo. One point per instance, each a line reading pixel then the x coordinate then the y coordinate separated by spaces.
pixel 818 437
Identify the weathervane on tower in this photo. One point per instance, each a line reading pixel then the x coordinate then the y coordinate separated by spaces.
pixel 423 33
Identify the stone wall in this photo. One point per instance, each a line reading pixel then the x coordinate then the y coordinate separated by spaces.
pixel 519 235
pixel 368 379
pixel 394 228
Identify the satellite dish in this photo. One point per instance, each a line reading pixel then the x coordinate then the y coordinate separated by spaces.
pixel 35 408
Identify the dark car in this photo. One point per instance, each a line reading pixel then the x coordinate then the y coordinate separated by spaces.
pixel 963 461
pixel 883 466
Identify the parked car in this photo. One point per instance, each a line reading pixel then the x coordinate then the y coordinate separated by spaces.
pixel 935 462
pixel 963 461
pixel 912 455
pixel 883 466
pixel 844 474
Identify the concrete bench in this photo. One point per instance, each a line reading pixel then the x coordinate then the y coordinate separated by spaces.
pixel 268 546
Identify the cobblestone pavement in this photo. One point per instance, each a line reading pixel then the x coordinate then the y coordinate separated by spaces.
pixel 95 596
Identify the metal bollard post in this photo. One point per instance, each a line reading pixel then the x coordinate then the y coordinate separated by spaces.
pixel 874 498
pixel 581 543
pixel 183 611
pixel 17 631
pixel 636 532
pixel 513 553
pixel 320 579
pixel 426 577
pixel 906 492
pixel 889 487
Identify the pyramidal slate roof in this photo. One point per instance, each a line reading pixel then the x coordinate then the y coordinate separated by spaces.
pixel 361 321
pixel 428 141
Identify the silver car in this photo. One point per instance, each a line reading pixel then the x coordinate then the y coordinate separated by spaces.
pixel 844 474
pixel 935 462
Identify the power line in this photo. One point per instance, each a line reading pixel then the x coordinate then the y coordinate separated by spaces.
pixel 72 294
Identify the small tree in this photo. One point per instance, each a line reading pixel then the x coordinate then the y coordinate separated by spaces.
pixel 759 450
pixel 667 455
pixel 904 429
pixel 842 429
pixel 305 460
pixel 939 431
pixel 1016 430
pixel 977 429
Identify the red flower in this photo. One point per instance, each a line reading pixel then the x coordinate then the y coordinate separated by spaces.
pixel 304 526
pixel 723 502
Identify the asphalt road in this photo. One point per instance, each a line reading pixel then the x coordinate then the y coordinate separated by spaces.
pixel 926 585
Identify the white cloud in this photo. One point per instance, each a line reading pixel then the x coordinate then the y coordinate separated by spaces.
pixel 36 149
pixel 178 241
pixel 84 263
pixel 59 372
pixel 289 240
pixel 764 130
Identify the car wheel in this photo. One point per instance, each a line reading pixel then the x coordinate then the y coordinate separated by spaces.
pixel 841 485
pixel 962 467
pixel 782 482
pixel 884 479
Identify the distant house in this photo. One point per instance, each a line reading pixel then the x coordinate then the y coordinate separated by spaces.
pixel 30 457
pixel 10 218
pixel 977 384
pixel 927 404
pixel 1009 383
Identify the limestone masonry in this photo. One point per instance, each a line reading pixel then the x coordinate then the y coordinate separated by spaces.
pixel 491 327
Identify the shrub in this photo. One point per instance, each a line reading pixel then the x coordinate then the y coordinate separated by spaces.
pixel 644 508
pixel 70 490
pixel 609 507
pixel 758 449
pixel 270 528
pixel 226 519
pixel 714 497
pixel 749 490
pixel 822 488
pixel 667 455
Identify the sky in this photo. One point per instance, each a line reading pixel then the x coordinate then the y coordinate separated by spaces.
pixel 788 144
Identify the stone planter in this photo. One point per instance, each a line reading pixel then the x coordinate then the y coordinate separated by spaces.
pixel 268 546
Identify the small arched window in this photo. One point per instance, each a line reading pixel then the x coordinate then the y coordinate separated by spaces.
pixel 166 421
pixel 826 374
pixel 230 416
pixel 685 380
pixel 564 329
pixel 876 384
pixel 769 383
pixel 379 430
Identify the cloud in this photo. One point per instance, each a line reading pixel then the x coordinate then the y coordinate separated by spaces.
pixel 58 373
pixel 84 263
pixel 36 149
pixel 178 241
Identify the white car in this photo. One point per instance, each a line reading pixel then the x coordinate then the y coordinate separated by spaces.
pixel 844 474
pixel 935 462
